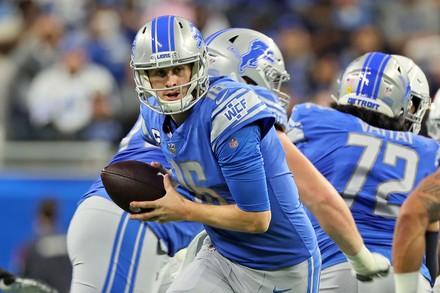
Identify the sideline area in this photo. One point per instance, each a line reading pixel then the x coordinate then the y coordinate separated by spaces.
pixel 30 172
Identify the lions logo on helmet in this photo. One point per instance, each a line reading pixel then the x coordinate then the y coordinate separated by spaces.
pixel 257 50
pixel 197 35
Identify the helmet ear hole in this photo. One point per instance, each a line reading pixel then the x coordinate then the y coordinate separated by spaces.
pixel 232 40
pixel 249 80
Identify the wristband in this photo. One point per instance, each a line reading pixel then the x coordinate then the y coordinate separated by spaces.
pixel 367 266
pixel 362 261
pixel 406 282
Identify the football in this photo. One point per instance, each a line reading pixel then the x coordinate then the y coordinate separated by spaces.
pixel 128 181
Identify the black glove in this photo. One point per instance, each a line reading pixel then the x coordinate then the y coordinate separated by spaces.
pixel 11 284
pixel 6 277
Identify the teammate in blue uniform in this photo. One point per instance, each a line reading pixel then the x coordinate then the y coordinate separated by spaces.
pixel 252 58
pixel 360 145
pixel 229 52
pixel 219 139
pixel 111 253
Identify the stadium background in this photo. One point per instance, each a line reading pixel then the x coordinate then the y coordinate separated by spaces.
pixel 317 39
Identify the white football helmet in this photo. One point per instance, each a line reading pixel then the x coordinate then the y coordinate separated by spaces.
pixel 169 41
pixel 433 121
pixel 376 81
pixel 248 56
pixel 420 98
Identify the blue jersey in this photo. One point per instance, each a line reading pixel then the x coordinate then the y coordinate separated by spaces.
pixel 174 235
pixel 373 169
pixel 196 153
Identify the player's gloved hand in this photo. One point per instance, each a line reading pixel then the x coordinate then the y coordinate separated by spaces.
pixel 9 283
pixel 367 265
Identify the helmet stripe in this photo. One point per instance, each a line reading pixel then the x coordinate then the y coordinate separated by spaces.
pixel 171 34
pixel 380 75
pixel 363 80
pixel 375 65
pixel 368 87
pixel 164 34
pixel 153 36
pixel 212 37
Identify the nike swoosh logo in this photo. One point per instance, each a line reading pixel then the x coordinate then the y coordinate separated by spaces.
pixel 280 291
pixel 218 101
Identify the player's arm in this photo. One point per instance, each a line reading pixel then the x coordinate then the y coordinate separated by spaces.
pixel 420 208
pixel 321 198
pixel 328 207
pixel 173 207
pixel 228 217
pixel 243 169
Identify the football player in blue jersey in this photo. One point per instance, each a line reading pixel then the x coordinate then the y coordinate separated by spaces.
pixel 219 139
pixel 362 146
pixel 227 50
pixel 111 253
pixel 421 208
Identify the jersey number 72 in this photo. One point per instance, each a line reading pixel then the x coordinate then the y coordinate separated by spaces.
pixel 369 157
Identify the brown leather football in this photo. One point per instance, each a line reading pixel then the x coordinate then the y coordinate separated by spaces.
pixel 128 181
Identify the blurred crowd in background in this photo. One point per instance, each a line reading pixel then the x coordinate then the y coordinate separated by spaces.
pixel 65 71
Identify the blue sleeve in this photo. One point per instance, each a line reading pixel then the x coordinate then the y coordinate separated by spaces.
pixel 235 108
pixel 149 126
pixel 242 165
